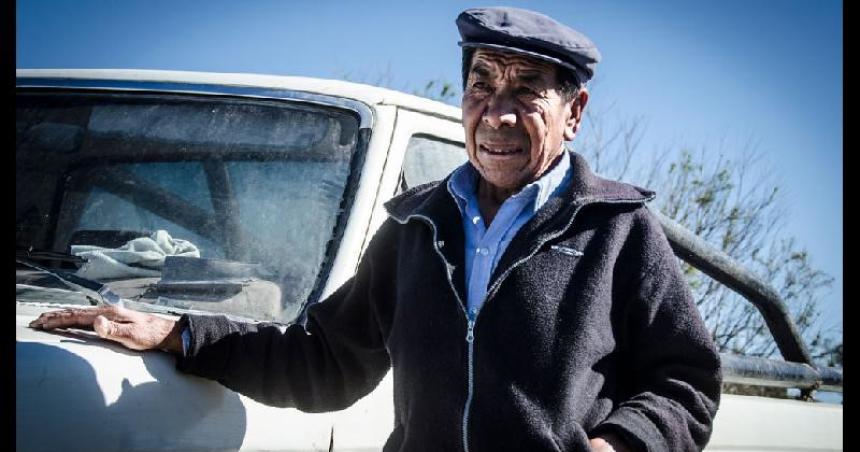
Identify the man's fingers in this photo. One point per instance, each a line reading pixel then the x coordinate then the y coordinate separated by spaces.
pixel 75 318
pixel 79 318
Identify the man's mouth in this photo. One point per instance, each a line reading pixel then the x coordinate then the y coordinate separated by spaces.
pixel 500 150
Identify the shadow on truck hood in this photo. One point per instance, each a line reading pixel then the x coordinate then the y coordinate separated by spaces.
pixel 82 393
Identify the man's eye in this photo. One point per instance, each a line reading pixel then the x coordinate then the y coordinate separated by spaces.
pixel 526 91
pixel 480 86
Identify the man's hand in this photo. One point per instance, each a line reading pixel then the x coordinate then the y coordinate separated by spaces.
pixel 133 329
pixel 608 443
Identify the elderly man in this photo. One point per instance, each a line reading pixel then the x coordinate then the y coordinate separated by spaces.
pixel 523 302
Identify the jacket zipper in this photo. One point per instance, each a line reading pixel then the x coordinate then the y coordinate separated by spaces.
pixel 470 344
pixel 470 328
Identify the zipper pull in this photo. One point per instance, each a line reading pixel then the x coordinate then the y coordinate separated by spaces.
pixel 470 333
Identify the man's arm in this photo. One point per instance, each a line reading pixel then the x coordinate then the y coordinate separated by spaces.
pixel 672 363
pixel 338 357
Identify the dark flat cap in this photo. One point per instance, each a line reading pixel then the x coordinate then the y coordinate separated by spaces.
pixel 529 33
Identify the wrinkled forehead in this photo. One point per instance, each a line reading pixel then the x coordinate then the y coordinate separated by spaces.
pixel 497 63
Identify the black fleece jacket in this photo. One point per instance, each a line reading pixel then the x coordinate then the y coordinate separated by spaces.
pixel 588 327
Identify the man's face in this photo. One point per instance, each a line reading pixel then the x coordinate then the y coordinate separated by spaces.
pixel 515 117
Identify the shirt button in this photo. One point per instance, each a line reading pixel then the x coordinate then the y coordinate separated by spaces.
pixel 440 243
pixel 476 219
pixel 482 251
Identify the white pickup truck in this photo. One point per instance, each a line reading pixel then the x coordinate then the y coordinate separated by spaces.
pixel 252 196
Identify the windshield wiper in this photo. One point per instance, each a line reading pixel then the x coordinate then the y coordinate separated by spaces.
pixel 48 255
pixel 99 294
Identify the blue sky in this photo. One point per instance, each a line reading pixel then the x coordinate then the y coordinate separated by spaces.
pixel 696 72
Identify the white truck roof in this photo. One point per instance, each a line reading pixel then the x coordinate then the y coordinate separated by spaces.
pixel 371 95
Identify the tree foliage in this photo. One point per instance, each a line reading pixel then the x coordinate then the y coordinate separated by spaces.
pixel 735 205
pixel 440 90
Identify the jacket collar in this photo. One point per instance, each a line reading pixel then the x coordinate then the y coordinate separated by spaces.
pixel 432 201
pixel 433 204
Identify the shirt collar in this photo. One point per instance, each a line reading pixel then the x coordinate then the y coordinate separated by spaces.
pixel 463 184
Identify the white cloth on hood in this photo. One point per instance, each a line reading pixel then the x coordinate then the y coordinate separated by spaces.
pixel 142 257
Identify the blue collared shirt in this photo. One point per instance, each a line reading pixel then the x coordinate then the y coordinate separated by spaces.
pixel 484 246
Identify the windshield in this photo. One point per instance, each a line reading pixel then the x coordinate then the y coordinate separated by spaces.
pixel 203 203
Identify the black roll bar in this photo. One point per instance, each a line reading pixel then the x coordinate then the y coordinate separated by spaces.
pixel 798 370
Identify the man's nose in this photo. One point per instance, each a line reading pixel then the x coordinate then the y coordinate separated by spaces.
pixel 500 112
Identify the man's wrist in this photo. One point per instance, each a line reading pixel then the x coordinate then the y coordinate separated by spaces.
pixel 173 343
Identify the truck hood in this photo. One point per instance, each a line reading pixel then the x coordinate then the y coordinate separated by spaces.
pixel 76 391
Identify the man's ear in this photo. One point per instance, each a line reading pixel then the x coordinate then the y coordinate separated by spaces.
pixel 577 106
